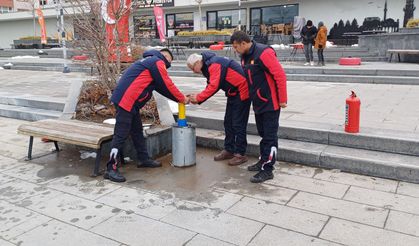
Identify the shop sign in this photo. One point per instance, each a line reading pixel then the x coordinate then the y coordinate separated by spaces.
pixel 155 3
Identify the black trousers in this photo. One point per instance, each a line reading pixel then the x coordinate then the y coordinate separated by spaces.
pixel 129 124
pixel 235 125
pixel 320 55
pixel 267 124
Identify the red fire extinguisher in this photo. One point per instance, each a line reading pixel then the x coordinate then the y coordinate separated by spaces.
pixel 353 109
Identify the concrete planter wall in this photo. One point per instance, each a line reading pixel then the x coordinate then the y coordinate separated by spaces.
pixel 158 139
pixel 406 39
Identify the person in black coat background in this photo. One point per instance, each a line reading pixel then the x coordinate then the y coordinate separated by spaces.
pixel 308 33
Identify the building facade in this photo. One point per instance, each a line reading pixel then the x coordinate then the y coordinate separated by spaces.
pixel 254 15
pixel 6 6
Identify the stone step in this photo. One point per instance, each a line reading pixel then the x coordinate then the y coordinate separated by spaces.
pixel 54 68
pixel 330 71
pixel 366 162
pixel 38 103
pixel 398 142
pixel 51 53
pixel 352 71
pixel 402 80
pixel 299 58
pixel 27 113
pixel 336 78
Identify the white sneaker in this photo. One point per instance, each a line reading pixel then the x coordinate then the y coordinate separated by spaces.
pixel 311 63
pixel 306 64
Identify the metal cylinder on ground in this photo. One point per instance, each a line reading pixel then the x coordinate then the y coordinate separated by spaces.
pixel 183 141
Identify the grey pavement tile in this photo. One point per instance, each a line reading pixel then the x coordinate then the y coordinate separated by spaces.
pixel 279 215
pixel 141 202
pixel 339 208
pixel 383 199
pixel 8 163
pixel 295 169
pixel 83 186
pixel 309 185
pixel 274 236
pixel 264 192
pixel 214 223
pixel 12 216
pixel 5 243
pixel 25 226
pixel 350 233
pixel 13 151
pixel 56 233
pixel 75 210
pixel 24 193
pixel 408 189
pixel 216 199
pixel 134 229
pixel 5 178
pixel 357 180
pixel 403 222
pixel 201 240
pixel 28 172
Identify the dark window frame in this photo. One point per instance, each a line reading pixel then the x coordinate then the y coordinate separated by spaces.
pixel 261 13
pixel 216 17
pixel 174 22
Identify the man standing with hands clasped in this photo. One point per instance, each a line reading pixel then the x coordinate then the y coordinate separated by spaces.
pixel 268 92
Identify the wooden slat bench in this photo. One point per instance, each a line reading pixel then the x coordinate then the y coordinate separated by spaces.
pixel 79 133
pixel 398 52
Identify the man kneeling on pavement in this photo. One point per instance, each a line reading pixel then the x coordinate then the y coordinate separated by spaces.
pixel 227 75
pixel 132 92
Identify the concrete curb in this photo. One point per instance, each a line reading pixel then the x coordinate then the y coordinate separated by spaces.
pixel 397 142
pixel 158 140
pixel 25 113
pixel 366 162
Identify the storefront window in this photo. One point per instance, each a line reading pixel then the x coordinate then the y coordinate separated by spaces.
pixel 212 20
pixel 272 19
pixel 225 19
pixel 179 22
pixel 145 26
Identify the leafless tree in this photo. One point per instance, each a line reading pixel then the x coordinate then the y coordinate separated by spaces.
pixel 91 37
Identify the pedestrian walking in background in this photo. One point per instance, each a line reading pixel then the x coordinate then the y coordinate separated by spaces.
pixel 308 33
pixel 320 42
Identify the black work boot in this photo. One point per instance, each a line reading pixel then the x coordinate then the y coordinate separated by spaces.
pixel 112 173
pixel 262 176
pixel 149 163
pixel 255 167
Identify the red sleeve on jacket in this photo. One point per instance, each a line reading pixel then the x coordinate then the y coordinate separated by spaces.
pixel 171 87
pixel 214 71
pixel 238 80
pixel 269 60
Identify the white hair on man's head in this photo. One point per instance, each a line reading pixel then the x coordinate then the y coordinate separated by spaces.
pixel 192 59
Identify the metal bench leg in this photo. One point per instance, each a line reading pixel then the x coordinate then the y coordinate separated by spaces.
pixel 97 162
pixel 56 146
pixel 391 57
pixel 30 148
pixel 399 57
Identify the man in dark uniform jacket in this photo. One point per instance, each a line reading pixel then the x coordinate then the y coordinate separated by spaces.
pixel 227 75
pixel 268 92
pixel 132 92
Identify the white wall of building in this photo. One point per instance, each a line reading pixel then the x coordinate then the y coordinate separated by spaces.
pixel 17 28
pixel 328 11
